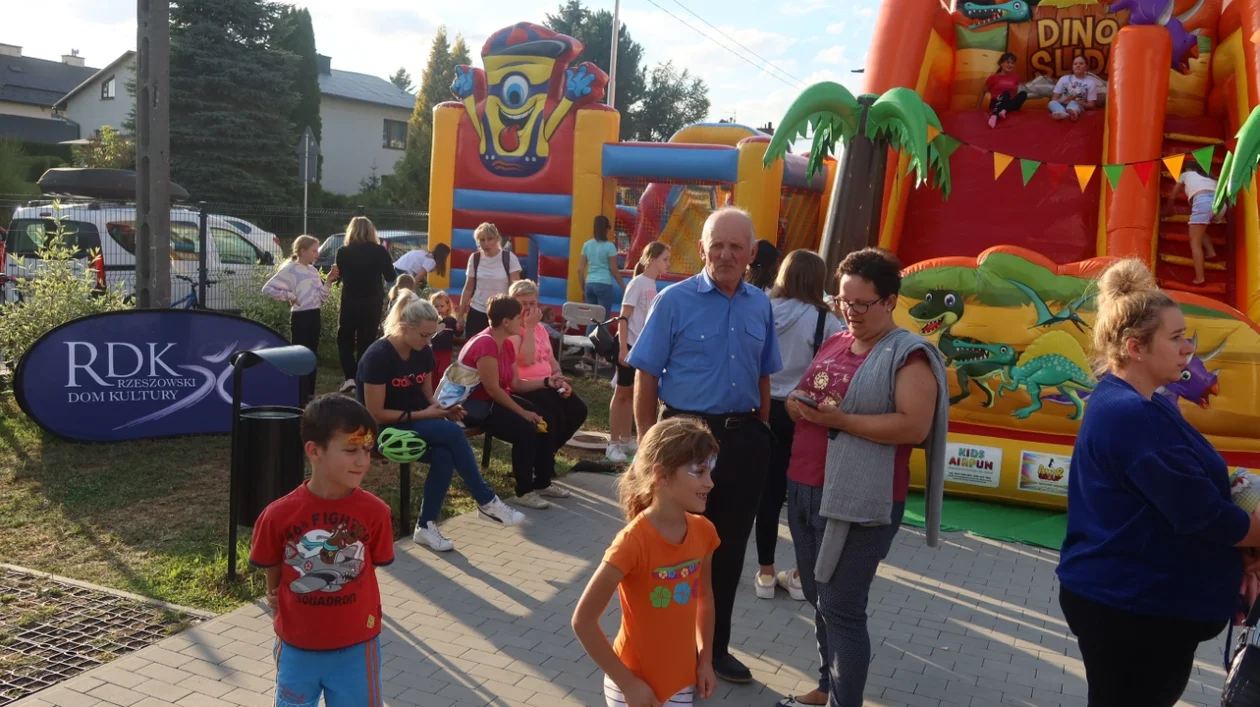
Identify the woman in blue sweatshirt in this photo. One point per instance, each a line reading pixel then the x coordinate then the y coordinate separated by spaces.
pixel 1151 565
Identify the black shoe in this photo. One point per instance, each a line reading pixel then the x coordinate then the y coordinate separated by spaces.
pixel 731 670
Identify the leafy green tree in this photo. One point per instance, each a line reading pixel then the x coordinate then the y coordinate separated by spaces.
pixel 672 100
pixel 232 97
pixel 14 169
pixel 109 150
pixel 402 80
pixel 297 36
pixel 410 184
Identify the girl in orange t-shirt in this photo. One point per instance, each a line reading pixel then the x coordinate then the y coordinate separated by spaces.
pixel 659 565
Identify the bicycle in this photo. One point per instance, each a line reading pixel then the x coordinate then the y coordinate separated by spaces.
pixel 190 300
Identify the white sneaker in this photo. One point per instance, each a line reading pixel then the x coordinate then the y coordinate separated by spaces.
pixel 791 581
pixel 499 512
pixel 764 584
pixel 532 500
pixel 614 453
pixel 554 491
pixel 347 386
pixel 630 446
pixel 429 535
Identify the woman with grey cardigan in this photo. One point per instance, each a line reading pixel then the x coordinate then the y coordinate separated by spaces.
pixel 802 323
pixel 850 466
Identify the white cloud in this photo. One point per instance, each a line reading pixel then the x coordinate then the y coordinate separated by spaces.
pixel 836 28
pixel 864 11
pixel 803 7
pixel 834 55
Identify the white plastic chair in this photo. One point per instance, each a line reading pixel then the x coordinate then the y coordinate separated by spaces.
pixel 581 314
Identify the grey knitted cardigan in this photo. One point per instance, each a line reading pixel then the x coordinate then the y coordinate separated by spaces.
pixel 858 486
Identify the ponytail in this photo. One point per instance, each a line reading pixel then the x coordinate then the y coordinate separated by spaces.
pixel 650 253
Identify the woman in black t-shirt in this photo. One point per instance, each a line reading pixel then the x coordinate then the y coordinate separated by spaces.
pixel 395 384
pixel 365 266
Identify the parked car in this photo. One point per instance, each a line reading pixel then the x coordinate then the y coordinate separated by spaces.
pixel 263 240
pixel 398 242
pixel 230 256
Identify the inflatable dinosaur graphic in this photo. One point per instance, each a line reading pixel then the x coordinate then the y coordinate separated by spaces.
pixel 1160 12
pixel 1054 360
pixel 1013 11
pixel 973 361
pixel 1197 384
pixel 1045 318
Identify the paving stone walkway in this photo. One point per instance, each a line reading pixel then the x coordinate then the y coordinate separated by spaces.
pixel 973 623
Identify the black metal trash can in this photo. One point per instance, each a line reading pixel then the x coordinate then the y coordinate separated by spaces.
pixel 271 461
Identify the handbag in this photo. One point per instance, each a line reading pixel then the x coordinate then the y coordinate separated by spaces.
pixel 1242 678
pixel 605 342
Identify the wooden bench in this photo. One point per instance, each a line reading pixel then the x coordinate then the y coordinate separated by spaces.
pixel 404 478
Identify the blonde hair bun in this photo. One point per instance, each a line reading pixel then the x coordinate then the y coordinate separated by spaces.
pixel 1126 277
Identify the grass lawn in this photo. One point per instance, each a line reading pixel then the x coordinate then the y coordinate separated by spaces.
pixel 150 517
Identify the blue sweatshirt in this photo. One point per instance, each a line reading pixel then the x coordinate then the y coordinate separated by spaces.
pixel 1151 528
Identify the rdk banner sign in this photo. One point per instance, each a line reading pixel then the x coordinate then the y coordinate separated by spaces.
pixel 145 373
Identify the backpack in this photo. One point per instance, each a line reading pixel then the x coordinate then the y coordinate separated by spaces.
pixel 476 264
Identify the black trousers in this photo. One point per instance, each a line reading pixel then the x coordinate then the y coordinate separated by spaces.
pixel 475 323
pixel 774 495
pixel 357 326
pixel 1133 659
pixel 744 454
pixel 533 462
pixel 564 416
pixel 305 326
pixel 1007 102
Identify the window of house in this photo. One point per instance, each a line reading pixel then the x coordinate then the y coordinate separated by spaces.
pixel 395 135
pixel 108 88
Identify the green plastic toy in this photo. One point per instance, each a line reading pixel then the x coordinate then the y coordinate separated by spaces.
pixel 401 446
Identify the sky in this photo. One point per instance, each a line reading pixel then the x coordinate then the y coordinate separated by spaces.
pixel 807 41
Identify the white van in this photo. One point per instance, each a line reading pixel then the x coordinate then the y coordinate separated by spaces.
pixel 231 259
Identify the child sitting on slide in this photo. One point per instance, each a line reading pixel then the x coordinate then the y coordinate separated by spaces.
pixel 1003 87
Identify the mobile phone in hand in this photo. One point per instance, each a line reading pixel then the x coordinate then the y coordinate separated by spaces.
pixel 803 399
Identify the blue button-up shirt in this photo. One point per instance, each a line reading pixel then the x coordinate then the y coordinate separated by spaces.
pixel 708 350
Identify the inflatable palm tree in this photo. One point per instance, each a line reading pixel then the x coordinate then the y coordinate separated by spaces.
pixel 867 126
pixel 1239 165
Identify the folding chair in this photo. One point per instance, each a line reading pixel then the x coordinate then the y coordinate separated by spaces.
pixel 581 314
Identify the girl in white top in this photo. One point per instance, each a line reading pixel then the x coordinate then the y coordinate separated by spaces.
pixel 419 263
pixel 491 271
pixel 298 284
pixel 635 306
pixel 1200 191
pixel 1075 93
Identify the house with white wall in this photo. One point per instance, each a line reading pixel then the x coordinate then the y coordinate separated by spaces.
pixel 102 98
pixel 29 91
pixel 364 118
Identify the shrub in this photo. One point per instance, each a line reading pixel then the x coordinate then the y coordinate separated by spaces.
pixel 57 289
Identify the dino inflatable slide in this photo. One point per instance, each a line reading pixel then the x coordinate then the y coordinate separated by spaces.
pixel 1002 267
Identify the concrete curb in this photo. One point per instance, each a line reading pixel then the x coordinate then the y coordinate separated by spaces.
pixel 205 615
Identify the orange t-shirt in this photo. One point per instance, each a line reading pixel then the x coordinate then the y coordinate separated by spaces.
pixel 662 584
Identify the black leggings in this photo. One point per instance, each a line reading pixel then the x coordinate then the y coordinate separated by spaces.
pixel 305 326
pixel 357 327
pixel 533 461
pixel 1007 102
pixel 475 323
pixel 1133 659
pixel 564 416
pixel 774 494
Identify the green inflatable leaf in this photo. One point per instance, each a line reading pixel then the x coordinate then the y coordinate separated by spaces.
pixel 827 108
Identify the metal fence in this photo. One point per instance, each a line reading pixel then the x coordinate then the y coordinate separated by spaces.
pixel 220 253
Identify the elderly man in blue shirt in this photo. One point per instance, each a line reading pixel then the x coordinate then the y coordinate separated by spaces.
pixel 708 350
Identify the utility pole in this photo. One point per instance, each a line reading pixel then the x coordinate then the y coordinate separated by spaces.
pixel 612 63
pixel 153 154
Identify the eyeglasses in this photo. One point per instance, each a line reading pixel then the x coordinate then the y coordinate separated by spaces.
pixel 699 469
pixel 857 307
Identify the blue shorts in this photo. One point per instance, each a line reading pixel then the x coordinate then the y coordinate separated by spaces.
pixel 1201 207
pixel 347 677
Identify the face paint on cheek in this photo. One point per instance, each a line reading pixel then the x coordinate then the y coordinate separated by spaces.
pixel 361 437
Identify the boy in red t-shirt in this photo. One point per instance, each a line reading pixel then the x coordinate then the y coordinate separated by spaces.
pixel 320 546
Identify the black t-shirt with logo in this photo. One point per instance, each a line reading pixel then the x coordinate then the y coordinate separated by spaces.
pixel 403 380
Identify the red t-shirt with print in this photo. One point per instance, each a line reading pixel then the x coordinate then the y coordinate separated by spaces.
pixel 329 551
pixel 483 345
pixel 997 84
pixel 827 381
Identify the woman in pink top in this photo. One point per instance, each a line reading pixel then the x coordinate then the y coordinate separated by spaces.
pixel 563 411
pixel 497 407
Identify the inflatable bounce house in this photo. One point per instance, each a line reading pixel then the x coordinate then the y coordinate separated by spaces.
pixel 1002 259
pixel 529 146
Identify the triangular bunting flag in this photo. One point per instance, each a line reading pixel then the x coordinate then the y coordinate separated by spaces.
pixel 1144 170
pixel 1000 163
pixel 932 133
pixel 1173 163
pixel 1056 172
pixel 1028 168
pixel 1113 172
pixel 1084 173
pixel 1204 156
